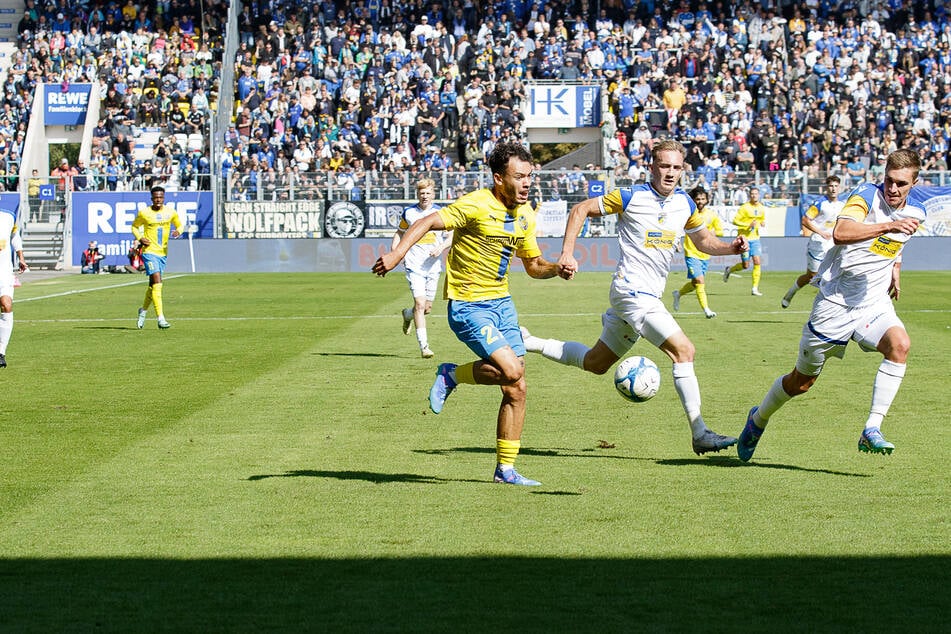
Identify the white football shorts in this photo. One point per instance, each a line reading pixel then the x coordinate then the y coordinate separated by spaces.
pixel 831 326
pixel 814 254
pixel 423 284
pixel 636 315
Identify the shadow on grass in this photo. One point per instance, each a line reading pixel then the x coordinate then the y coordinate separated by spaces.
pixel 528 451
pixel 356 354
pixel 710 461
pixel 726 461
pixel 785 594
pixel 367 476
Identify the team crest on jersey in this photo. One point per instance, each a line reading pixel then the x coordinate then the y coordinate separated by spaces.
pixel 661 218
pixel 523 223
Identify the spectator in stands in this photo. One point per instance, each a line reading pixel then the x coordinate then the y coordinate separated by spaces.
pixel 177 123
pixel 64 176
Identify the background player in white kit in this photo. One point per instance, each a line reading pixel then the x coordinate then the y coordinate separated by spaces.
pixel 652 218
pixel 857 281
pixel 423 263
pixel 819 219
pixel 11 250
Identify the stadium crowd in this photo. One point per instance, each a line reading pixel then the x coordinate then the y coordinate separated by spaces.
pixel 157 64
pixel 362 87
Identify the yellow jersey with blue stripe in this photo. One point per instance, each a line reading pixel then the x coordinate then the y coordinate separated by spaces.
pixel 649 227
pixel 746 215
pixel 859 274
pixel 486 236
pixel 709 219
pixel 155 225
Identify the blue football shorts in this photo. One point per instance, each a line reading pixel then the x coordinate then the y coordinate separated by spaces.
pixel 153 263
pixel 486 326
pixel 696 267
pixel 756 248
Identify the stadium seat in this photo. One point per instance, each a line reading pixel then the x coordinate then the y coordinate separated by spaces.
pixel 195 142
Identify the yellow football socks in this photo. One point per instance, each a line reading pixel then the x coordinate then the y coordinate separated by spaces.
pixel 757 273
pixel 702 296
pixel 507 450
pixel 157 298
pixel 465 373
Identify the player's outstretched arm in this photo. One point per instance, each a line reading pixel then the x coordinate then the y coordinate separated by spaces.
pixel 579 213
pixel 707 241
pixel 849 231
pixel 388 261
pixel 541 269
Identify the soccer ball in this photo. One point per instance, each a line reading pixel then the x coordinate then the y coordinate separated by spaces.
pixel 637 379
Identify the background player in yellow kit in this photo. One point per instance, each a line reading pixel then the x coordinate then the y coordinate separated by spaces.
pixel 152 228
pixel 749 219
pixel 696 259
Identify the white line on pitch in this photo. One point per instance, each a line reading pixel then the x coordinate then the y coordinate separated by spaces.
pixel 87 290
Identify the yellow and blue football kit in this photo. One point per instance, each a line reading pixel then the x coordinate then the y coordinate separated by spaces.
pixel 486 236
pixel 155 225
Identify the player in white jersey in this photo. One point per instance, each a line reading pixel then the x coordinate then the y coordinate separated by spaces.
pixel 423 263
pixel 11 252
pixel 652 218
pixel 819 219
pixel 857 281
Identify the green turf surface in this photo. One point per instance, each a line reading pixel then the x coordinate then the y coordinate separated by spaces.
pixel 270 464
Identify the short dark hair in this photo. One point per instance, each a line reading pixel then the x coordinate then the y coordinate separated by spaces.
pixel 157 188
pixel 696 191
pixel 499 158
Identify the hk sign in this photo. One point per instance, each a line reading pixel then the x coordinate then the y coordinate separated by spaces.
pixel 559 106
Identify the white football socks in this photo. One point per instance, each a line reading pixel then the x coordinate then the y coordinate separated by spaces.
pixel 6 329
pixel 775 398
pixel 688 389
pixel 884 389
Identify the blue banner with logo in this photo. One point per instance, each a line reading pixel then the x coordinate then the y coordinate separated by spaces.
pixel 937 204
pixel 107 218
pixel 559 106
pixel 66 104
pixel 10 203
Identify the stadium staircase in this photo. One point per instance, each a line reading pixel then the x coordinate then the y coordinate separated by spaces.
pixel 43 245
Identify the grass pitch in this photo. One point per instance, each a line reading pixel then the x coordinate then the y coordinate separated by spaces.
pixel 270 463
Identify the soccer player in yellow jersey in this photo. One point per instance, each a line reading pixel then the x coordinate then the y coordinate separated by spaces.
pixel 652 217
pixel 152 228
pixel 749 219
pixel 696 259
pixel 490 227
